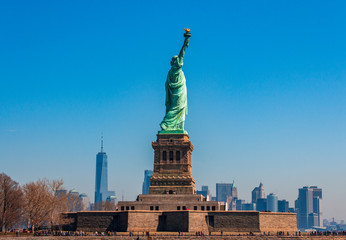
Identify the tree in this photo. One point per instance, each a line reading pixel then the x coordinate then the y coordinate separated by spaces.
pixel 11 197
pixel 37 200
pixel 109 206
pixel 45 201
pixel 58 201
pixel 105 206
pixel 74 202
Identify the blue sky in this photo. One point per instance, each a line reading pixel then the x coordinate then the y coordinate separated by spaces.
pixel 266 92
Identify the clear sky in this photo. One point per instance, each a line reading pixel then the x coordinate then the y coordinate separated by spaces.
pixel 266 92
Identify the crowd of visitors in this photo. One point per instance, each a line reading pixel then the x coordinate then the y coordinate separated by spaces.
pixel 108 233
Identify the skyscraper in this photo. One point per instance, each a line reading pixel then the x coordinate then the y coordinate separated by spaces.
pixel 261 204
pixel 223 190
pixel 61 193
pixel 317 205
pixel 146 182
pixel 101 182
pixel 239 204
pixel 232 203
pixel 272 202
pixel 257 192
pixel 73 200
pixel 283 206
pixel 317 201
pixel 309 207
pixel 248 206
pixel 205 192
pixel 85 202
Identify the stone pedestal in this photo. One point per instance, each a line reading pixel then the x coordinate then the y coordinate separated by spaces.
pixel 172 165
pixel 181 221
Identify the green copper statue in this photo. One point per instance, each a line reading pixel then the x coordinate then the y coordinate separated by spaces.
pixel 176 95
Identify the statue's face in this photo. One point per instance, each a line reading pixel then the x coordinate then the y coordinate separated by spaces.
pixel 174 60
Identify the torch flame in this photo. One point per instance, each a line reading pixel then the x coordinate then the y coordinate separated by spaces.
pixel 187 30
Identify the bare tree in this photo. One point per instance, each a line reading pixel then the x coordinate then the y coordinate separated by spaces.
pixel 37 203
pixel 37 200
pixel 74 202
pixel 105 206
pixel 109 206
pixel 11 197
pixel 58 201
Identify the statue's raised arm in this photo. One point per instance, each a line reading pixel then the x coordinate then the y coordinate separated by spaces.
pixel 187 35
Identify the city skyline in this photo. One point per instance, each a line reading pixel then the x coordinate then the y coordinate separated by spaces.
pixel 265 84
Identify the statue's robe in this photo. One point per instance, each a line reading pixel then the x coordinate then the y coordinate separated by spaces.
pixel 176 98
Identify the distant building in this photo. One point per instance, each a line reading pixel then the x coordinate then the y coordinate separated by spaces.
pixel 334 225
pixel 74 202
pixel 61 193
pixel 304 206
pixel 309 207
pixel 111 193
pixel 205 192
pixel 112 199
pixel 257 192
pixel 101 182
pixel 248 206
pixel 224 190
pixel 292 210
pixel 146 182
pixel 283 206
pixel 261 205
pixel 317 201
pixel 312 220
pixel 231 203
pixel 317 204
pixel 85 202
pixel 239 204
pixel 316 192
pixel 272 202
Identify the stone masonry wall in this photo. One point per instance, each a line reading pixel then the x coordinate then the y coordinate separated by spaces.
pixel 95 221
pixel 69 221
pixel 120 223
pixel 141 221
pixel 197 222
pixel 274 222
pixel 181 221
pixel 174 221
pixel 237 221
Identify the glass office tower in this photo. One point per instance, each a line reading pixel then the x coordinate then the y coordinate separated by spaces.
pixel 146 183
pixel 272 202
pixel 101 183
pixel 224 190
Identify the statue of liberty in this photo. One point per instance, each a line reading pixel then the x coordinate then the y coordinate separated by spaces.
pixel 176 95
